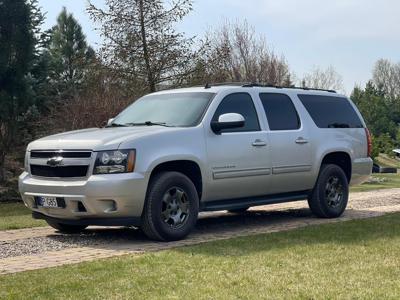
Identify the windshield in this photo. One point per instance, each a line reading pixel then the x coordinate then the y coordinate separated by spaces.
pixel 175 109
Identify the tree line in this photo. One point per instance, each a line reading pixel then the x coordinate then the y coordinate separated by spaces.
pixel 52 81
pixel 379 103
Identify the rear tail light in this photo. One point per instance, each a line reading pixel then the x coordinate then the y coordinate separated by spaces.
pixel 369 142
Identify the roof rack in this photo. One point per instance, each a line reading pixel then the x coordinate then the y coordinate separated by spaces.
pixel 255 84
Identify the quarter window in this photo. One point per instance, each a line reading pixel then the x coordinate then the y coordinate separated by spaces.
pixel 240 103
pixel 280 111
pixel 331 112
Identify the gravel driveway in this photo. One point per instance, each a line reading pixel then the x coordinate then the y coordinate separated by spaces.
pixel 28 249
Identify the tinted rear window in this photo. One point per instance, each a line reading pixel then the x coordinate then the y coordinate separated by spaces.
pixel 280 111
pixel 331 112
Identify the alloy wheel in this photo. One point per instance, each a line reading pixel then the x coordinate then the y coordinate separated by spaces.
pixel 175 207
pixel 334 192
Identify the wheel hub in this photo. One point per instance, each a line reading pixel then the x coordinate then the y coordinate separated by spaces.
pixel 334 192
pixel 175 207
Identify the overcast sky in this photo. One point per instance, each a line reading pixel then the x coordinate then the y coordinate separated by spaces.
pixel 350 35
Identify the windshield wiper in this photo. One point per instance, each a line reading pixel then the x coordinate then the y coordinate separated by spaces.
pixel 115 125
pixel 149 123
pixel 338 125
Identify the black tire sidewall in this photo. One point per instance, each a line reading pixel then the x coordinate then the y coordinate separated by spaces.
pixel 159 186
pixel 326 172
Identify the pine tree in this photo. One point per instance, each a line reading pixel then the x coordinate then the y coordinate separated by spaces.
pixel 141 42
pixel 69 55
pixel 39 73
pixel 17 47
pixel 372 105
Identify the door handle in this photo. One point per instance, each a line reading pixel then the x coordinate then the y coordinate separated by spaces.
pixel 259 143
pixel 301 140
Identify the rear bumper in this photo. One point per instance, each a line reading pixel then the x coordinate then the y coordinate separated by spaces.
pixel 116 197
pixel 361 170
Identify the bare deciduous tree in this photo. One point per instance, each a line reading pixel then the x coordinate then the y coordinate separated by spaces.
pixel 386 76
pixel 140 40
pixel 235 53
pixel 103 97
pixel 320 78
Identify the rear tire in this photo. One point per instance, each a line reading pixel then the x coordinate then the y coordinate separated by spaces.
pixel 331 192
pixel 171 207
pixel 65 228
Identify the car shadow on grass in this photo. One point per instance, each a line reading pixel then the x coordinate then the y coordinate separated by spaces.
pixel 208 223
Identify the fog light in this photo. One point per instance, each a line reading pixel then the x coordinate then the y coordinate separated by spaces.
pixel 108 206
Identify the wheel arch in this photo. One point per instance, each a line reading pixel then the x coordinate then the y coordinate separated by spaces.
pixel 341 159
pixel 189 168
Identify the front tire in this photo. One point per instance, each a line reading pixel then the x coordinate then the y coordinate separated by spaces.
pixel 171 207
pixel 331 192
pixel 65 228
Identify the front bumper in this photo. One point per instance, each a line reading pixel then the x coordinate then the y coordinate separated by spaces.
pixel 105 199
pixel 130 221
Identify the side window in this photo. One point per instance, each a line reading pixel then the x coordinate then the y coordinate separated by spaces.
pixel 240 103
pixel 280 111
pixel 331 111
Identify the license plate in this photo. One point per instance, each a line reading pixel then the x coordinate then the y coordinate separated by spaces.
pixel 47 201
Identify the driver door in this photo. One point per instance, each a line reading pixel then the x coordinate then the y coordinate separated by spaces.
pixel 238 159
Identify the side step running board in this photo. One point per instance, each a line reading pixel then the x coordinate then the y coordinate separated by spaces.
pixel 255 201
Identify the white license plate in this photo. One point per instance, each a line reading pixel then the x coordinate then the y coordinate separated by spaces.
pixel 48 201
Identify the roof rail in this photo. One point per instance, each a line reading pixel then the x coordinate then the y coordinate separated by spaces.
pixel 209 85
pixel 262 85
pixel 311 89
pixel 255 84
pixel 286 87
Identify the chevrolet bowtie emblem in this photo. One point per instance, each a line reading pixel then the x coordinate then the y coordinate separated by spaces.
pixel 55 161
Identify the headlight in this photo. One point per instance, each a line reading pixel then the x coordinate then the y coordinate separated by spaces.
pixel 118 161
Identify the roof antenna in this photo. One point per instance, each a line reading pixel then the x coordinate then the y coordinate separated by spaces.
pixel 207 86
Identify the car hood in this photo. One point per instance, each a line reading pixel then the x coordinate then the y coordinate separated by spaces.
pixel 93 138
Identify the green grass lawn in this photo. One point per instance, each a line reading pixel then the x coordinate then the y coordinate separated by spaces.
pixel 350 260
pixel 388 181
pixel 16 216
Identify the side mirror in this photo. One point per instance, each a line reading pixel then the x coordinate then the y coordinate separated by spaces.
pixel 110 121
pixel 227 121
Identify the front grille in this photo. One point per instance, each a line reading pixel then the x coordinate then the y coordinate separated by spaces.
pixel 60 163
pixel 62 171
pixel 65 154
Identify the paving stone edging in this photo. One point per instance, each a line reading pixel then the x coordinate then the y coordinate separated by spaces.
pixel 84 254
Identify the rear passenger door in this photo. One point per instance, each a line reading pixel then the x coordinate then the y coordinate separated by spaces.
pixel 289 145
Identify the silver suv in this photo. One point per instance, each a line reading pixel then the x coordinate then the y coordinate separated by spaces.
pixel 175 153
